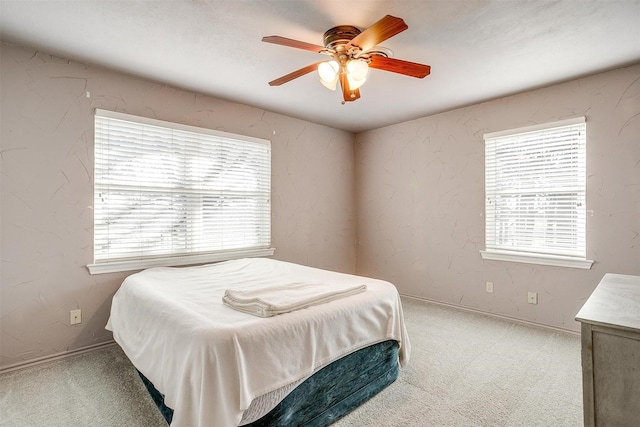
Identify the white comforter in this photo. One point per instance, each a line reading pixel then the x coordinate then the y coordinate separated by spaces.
pixel 210 361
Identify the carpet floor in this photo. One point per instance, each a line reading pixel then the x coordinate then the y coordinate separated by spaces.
pixel 466 370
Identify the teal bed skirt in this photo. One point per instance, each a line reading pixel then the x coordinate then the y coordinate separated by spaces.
pixel 327 395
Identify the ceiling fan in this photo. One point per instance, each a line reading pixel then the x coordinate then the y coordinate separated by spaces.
pixel 353 52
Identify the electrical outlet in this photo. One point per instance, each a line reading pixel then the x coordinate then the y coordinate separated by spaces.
pixel 489 286
pixel 75 317
pixel 532 297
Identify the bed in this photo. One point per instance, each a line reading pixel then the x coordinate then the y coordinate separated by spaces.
pixel 208 364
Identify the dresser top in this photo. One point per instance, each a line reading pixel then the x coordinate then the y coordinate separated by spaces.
pixel 615 302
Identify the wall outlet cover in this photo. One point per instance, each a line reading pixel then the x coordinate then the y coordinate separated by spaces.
pixel 75 317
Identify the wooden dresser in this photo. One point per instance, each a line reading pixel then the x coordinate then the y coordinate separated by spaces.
pixel 611 353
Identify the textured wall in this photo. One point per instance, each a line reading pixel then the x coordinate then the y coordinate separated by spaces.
pixel 47 192
pixel 419 196
pixel 420 200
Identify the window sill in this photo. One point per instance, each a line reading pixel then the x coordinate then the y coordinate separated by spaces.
pixel 141 264
pixel 557 261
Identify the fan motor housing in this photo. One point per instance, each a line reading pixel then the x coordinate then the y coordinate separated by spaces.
pixel 342 34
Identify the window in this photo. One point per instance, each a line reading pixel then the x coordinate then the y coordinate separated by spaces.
pixel 170 194
pixel 535 194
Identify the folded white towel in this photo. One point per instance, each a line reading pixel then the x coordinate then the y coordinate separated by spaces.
pixel 270 301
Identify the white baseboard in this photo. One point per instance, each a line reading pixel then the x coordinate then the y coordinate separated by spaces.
pixel 498 316
pixel 57 356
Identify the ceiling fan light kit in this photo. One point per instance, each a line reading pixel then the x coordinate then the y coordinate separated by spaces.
pixel 328 72
pixel 357 70
pixel 352 53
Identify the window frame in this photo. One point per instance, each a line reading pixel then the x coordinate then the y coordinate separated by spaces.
pixel 138 262
pixel 534 257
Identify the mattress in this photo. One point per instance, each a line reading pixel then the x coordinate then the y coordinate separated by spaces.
pixel 328 394
pixel 210 362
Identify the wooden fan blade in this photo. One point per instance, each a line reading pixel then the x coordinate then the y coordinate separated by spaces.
pixel 385 28
pixel 347 94
pixel 294 75
pixel 399 66
pixel 293 43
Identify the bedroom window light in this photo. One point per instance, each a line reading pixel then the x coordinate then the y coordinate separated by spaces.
pixel 167 194
pixel 535 189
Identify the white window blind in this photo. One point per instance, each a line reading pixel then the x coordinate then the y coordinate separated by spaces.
pixel 535 191
pixel 177 193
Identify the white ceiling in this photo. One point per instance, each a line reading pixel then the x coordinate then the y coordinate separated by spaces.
pixel 478 50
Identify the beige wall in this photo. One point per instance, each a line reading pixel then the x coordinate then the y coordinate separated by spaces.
pixel 415 194
pixel 420 200
pixel 47 192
